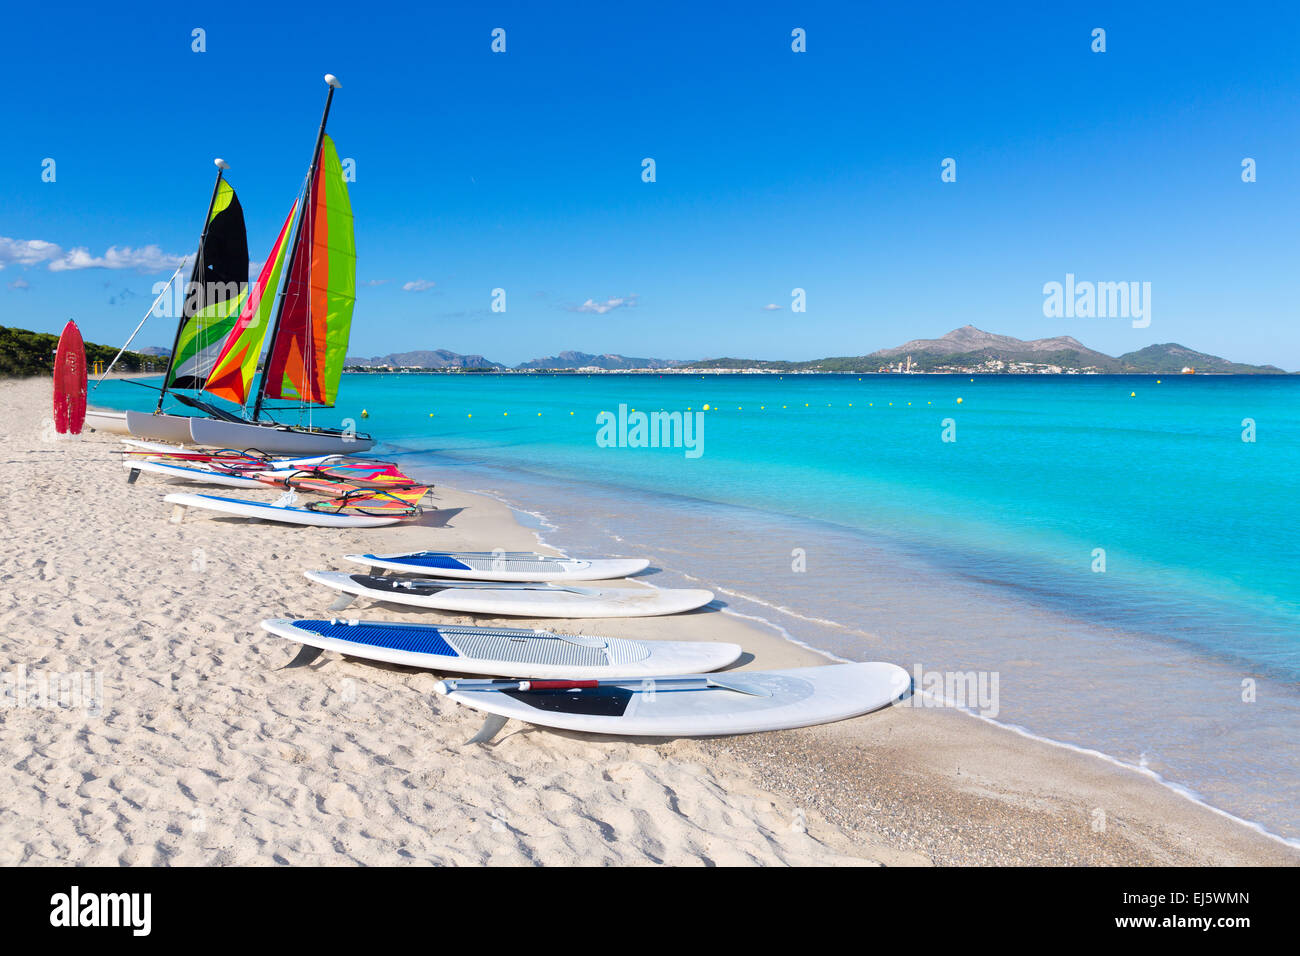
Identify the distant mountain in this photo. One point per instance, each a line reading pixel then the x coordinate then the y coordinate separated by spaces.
pixel 969 340
pixel 972 349
pixel 571 360
pixel 155 350
pixel 1168 357
pixel 437 358
pixel 966 349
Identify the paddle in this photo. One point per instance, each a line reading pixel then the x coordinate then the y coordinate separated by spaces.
pixel 675 683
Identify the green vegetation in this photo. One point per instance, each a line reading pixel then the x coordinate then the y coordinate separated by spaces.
pixel 24 353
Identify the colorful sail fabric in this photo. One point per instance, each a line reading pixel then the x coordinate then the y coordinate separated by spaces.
pixel 306 359
pixel 236 363
pixel 215 296
pixel 341 480
pixel 404 502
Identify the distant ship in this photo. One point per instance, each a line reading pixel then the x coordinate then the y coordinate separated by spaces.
pixel 1188 370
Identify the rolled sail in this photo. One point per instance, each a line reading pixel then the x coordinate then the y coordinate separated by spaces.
pixel 236 362
pixel 306 358
pixel 215 296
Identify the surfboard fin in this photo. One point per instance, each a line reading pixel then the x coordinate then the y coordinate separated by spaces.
pixel 306 654
pixel 132 475
pixel 740 687
pixel 491 727
pixel 342 601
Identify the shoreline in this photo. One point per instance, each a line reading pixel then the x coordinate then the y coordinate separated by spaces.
pixel 349 761
pixel 816 655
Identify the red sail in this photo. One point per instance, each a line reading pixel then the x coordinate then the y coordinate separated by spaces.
pixel 307 355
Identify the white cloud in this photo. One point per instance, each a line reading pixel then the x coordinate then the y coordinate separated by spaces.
pixel 374 282
pixel 26 252
pixel 772 307
pixel 31 252
pixel 419 285
pixel 19 283
pixel 144 259
pixel 609 305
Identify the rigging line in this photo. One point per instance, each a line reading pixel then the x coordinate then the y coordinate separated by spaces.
pixel 131 338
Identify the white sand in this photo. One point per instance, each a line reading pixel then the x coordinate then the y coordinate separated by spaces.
pixel 206 752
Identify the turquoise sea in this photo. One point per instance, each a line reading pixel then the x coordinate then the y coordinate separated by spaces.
pixel 1109 545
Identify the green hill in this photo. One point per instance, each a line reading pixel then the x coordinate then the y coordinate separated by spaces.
pixel 24 353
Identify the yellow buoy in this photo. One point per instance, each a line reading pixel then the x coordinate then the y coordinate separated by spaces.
pixel 706 407
pixel 959 401
pixel 1132 394
pixel 364 413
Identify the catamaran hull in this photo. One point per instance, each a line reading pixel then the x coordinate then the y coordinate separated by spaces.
pixel 168 428
pixel 107 420
pixel 274 439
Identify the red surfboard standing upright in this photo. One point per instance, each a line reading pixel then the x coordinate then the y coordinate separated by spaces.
pixel 70 382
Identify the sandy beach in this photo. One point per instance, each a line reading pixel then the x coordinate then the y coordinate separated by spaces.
pixel 203 751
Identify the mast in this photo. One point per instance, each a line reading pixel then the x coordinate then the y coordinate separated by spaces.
pixel 222 166
pixel 334 84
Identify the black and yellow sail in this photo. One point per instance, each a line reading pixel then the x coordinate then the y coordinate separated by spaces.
pixel 216 292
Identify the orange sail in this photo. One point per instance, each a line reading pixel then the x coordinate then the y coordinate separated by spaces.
pixel 236 364
pixel 306 358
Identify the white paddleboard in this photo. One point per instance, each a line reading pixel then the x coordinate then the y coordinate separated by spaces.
pixel 269 511
pixel 194 472
pixel 507 652
pixel 502 566
pixel 703 705
pixel 161 447
pixel 165 450
pixel 517 599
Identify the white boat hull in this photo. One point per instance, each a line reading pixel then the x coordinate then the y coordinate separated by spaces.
pixel 274 439
pixel 107 420
pixel 168 428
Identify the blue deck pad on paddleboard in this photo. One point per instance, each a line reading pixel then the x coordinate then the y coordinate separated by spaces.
pixel 414 640
pixel 503 651
pixel 441 562
pixel 504 565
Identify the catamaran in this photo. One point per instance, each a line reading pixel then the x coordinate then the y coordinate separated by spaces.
pixel 218 342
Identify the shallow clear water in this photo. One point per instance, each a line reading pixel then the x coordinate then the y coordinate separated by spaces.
pixel 974 554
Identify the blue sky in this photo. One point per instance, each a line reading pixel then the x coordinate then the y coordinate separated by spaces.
pixel 775 169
